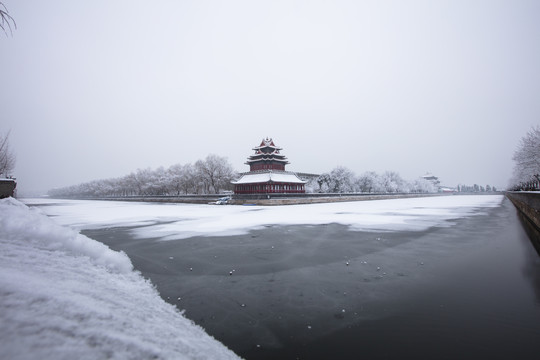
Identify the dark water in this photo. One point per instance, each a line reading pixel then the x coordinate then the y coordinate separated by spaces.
pixel 468 291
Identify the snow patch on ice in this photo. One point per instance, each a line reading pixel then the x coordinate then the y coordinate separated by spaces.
pixel 412 214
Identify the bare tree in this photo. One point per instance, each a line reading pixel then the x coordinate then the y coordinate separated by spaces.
pixel 215 172
pixel 341 180
pixel 367 182
pixel 6 20
pixel 7 158
pixel 527 157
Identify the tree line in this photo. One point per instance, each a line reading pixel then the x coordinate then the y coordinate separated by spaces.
pixel 475 188
pixel 343 180
pixel 209 176
pixel 214 174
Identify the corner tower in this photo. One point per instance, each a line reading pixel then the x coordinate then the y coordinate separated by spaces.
pixel 267 173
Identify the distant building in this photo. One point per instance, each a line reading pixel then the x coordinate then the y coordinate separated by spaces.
pixel 267 173
pixel 432 179
pixel 435 181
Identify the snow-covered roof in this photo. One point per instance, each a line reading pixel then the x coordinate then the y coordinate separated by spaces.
pixel 267 159
pixel 264 177
pixel 429 175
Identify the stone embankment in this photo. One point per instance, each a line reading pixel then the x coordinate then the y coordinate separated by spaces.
pixel 265 200
pixel 188 199
pixel 318 198
pixel 528 203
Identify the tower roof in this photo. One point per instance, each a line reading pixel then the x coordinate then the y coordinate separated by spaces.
pixel 267 143
pixel 267 152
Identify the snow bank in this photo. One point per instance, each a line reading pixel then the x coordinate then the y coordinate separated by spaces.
pixel 20 223
pixel 65 296
pixel 180 221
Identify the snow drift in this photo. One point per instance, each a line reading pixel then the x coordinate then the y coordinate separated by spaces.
pixel 65 296
pixel 19 223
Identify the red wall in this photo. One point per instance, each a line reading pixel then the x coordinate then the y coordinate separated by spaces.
pixel 255 167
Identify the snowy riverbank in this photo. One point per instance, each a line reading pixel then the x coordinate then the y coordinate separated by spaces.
pixel 65 296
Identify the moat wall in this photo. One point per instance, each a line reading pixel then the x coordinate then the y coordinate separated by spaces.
pixel 528 203
pixel 287 199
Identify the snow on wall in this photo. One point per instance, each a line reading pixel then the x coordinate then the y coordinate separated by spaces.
pixel 65 296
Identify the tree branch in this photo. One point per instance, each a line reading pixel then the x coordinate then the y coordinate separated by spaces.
pixel 6 20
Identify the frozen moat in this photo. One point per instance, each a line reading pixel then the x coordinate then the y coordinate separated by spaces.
pixel 462 283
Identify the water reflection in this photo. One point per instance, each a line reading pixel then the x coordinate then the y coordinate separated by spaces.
pixel 531 269
pixel 532 231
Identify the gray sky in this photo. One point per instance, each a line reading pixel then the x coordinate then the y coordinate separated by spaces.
pixel 96 89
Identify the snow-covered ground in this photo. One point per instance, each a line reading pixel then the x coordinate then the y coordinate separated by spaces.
pixel 180 221
pixel 65 296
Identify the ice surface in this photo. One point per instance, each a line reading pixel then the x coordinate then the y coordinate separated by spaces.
pixel 65 296
pixel 180 221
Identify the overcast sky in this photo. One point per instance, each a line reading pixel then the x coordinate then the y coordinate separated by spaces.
pixel 96 89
